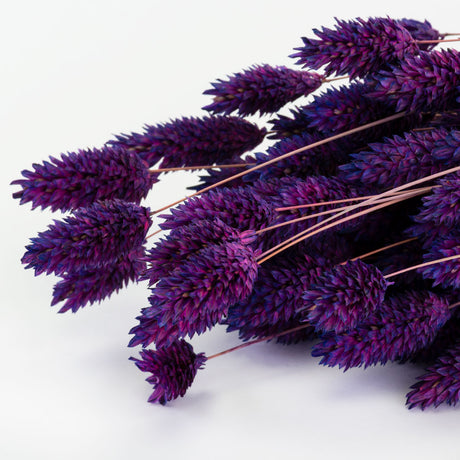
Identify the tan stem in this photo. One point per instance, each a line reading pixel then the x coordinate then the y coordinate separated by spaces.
pixel 424 264
pixel 264 339
pixel 318 214
pixel 329 80
pixel 384 248
pixel 433 42
pixel 309 233
pixel 344 200
pixel 287 155
pixel 193 168
pixel 371 200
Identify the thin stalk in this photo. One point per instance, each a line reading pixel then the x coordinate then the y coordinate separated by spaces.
pixel 193 168
pixel 344 200
pixel 358 205
pixel 384 248
pixel 253 342
pixel 288 154
pixel 154 233
pixel 329 80
pixel 433 42
pixel 456 304
pixel 318 214
pixel 311 231
pixel 424 264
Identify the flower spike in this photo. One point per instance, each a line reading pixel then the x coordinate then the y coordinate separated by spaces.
pixel 173 370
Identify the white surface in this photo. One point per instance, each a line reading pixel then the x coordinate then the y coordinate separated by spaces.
pixel 73 74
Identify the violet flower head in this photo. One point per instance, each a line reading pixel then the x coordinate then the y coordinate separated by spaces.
pixel 241 208
pixel 404 324
pixel 344 108
pixel 343 296
pixel 440 384
pixel 261 88
pixel 197 294
pixel 277 294
pixel 421 31
pixel 445 274
pixel 194 141
pixel 428 82
pixel 402 159
pixel 182 242
pixel 81 178
pixel 91 237
pixel 447 119
pixel 356 47
pixel 442 205
pixel 212 176
pixel 340 109
pixel 93 285
pixel 173 370
pixel 322 160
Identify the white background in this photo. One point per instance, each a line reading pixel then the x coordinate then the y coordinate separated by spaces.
pixel 73 73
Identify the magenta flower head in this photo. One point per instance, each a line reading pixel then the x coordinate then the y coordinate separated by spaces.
pixel 356 47
pixel 242 208
pixel 79 179
pixel 95 284
pixel 193 141
pixel 426 82
pixel 442 205
pixel 91 237
pixel 277 295
pixel 445 274
pixel 261 88
pixel 404 324
pixel 321 160
pixel 197 294
pixel 402 159
pixel 173 370
pixel 421 31
pixel 182 242
pixel 343 296
pixel 440 384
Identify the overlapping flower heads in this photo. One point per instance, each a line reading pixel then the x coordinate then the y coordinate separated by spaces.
pixel 344 230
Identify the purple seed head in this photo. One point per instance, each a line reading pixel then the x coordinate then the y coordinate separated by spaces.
pixel 445 274
pixel 277 294
pixel 402 159
pixel 182 242
pixel 322 160
pixel 261 88
pixel 403 324
pixel 420 31
pixel 343 296
pixel 79 179
pixel 442 205
pixel 173 370
pixel 91 237
pixel 194 141
pixel 197 294
pixel 93 285
pixel 428 82
pixel 440 384
pixel 241 208
pixel 356 47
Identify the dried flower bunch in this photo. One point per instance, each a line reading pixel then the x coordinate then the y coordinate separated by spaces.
pixel 342 234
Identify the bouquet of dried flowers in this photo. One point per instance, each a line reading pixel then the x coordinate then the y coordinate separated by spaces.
pixel 342 233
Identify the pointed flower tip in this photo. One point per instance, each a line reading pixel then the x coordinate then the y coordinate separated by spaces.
pixel 344 296
pixel 261 88
pixel 90 237
pixel 80 178
pixel 172 368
